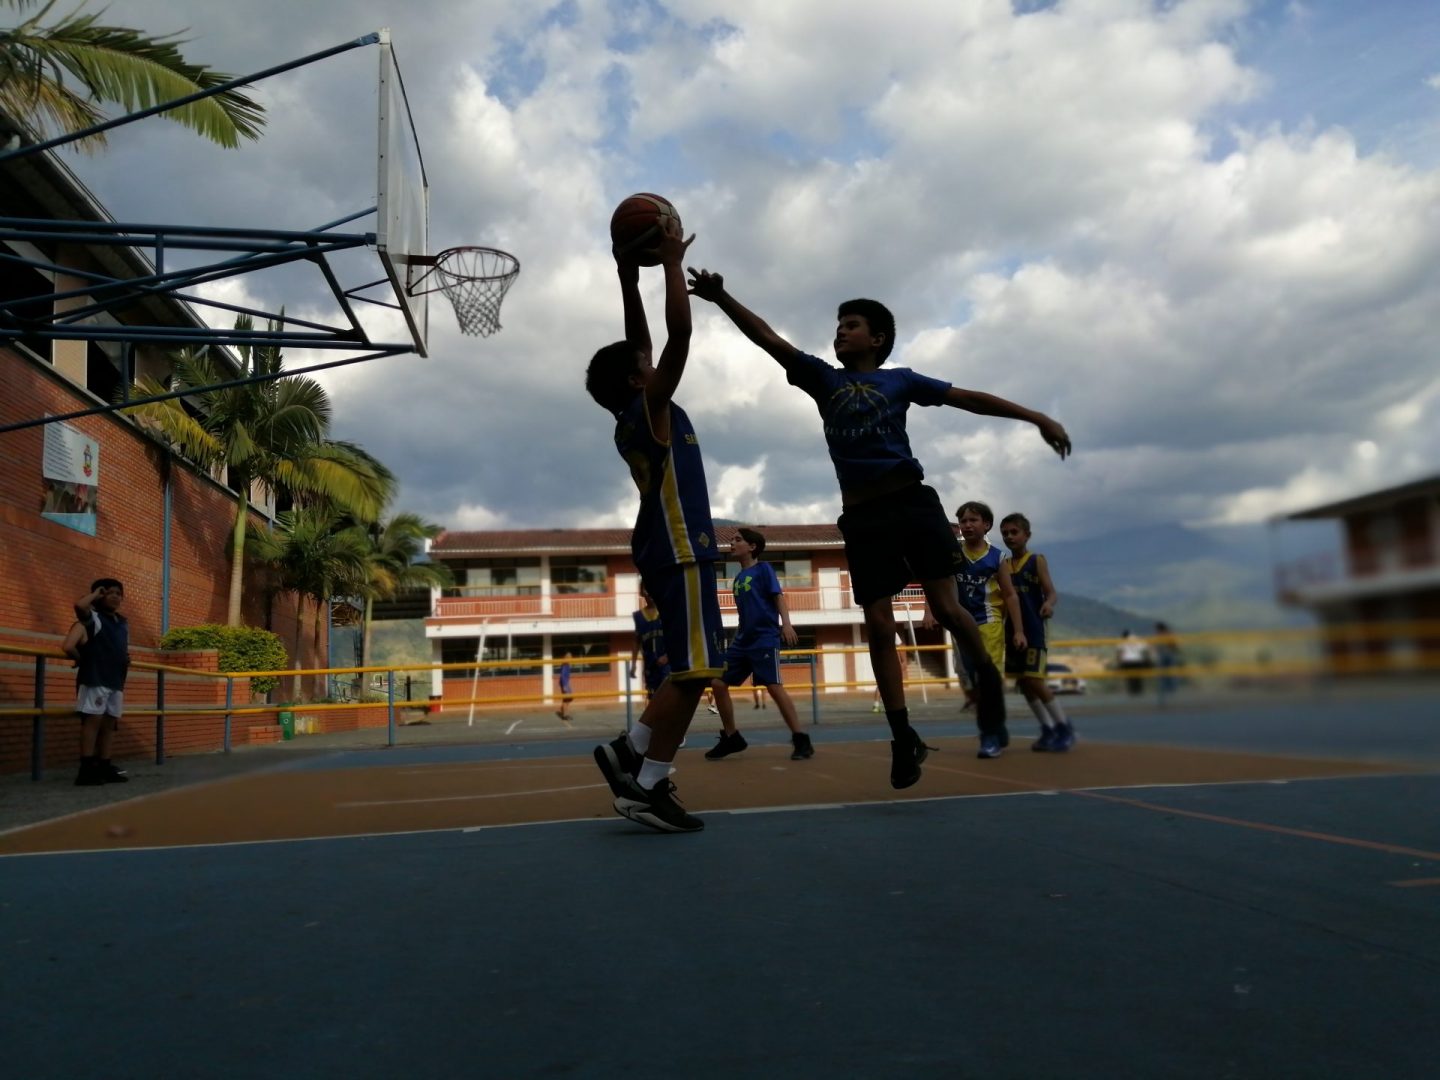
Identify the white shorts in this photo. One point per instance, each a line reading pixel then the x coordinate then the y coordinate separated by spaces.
pixel 100 701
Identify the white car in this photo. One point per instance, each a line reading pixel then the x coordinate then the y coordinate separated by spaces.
pixel 1062 680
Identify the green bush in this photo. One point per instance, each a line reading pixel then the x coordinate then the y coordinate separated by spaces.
pixel 241 648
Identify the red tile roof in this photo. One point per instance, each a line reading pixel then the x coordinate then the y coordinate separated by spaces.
pixel 605 541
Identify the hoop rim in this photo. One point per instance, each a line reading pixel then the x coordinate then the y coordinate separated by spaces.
pixel 437 262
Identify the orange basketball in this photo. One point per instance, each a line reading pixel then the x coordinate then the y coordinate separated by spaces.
pixel 638 223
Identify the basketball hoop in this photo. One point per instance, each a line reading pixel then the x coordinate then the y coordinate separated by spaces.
pixel 475 281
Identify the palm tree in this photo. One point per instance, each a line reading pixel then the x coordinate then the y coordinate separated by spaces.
pixel 273 433
pixel 110 64
pixel 394 545
pixel 310 552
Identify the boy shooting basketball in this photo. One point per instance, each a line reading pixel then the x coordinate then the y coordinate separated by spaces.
pixel 894 526
pixel 674 539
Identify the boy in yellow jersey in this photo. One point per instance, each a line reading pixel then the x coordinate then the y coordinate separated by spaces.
pixel 1035 593
pixel 987 594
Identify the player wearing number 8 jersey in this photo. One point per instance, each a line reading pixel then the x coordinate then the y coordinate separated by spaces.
pixel 1036 599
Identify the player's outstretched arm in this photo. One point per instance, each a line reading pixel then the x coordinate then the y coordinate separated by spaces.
pixel 637 328
pixel 671 365
pixel 711 287
pixel 989 405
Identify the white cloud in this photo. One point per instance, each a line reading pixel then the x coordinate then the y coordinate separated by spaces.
pixel 1060 206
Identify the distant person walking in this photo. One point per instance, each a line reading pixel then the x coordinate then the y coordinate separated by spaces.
pixel 1132 654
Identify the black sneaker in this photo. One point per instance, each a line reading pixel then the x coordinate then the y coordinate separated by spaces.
pixel 728 744
pixel 660 810
pixel 803 749
pixel 905 758
pixel 112 774
pixel 619 764
pixel 89 774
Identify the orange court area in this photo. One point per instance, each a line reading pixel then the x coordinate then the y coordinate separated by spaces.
pixel 392 797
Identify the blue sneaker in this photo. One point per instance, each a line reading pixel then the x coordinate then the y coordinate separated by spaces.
pixel 1064 738
pixel 990 747
pixel 1046 741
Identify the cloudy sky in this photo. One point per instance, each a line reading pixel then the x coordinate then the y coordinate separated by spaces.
pixel 1203 234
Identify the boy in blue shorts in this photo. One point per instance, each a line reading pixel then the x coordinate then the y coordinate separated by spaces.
pixel 894 525
pixel 764 623
pixel 1036 598
pixel 673 544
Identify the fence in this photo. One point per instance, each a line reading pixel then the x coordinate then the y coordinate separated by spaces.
pixel 213 705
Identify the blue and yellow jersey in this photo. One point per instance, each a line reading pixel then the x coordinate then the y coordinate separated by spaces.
pixel 674 527
pixel 979 586
pixel 652 637
pixel 1025 576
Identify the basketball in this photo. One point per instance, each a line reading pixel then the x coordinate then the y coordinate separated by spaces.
pixel 638 223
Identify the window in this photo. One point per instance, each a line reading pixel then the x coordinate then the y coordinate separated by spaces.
pixel 497 647
pixel 569 574
pixel 580 646
pixel 497 577
pixel 793 569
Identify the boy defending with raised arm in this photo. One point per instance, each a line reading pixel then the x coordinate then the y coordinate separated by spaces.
pixel 673 543
pixel 895 529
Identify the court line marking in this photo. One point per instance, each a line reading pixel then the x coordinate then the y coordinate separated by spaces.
pixel 1416 883
pixel 1260 826
pixel 467 798
pixel 477 766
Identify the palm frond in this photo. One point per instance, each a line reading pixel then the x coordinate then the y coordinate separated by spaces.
pixel 133 70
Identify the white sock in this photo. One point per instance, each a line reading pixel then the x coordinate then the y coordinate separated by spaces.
pixel 652 772
pixel 640 739
pixel 1038 708
pixel 1053 708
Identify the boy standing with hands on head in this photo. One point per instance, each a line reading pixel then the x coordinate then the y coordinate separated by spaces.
pixel 894 526
pixel 673 544
pixel 99 643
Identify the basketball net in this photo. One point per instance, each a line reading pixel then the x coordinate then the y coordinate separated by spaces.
pixel 475 281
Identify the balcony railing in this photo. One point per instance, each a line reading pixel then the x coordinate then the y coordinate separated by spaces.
pixel 608 606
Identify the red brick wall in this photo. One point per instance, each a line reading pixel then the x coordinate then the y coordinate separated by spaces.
pixel 44 566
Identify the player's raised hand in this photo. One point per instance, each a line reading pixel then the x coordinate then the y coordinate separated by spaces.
pixel 673 244
pixel 1054 435
pixel 705 285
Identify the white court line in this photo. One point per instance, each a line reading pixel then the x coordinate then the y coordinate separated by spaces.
pixel 513 726
pixel 469 798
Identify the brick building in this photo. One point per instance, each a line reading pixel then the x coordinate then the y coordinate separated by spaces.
pixel 142 514
pixel 1384 591
pixel 536 594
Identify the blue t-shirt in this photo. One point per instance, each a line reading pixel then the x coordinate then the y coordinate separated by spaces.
pixel 1025 576
pixel 564 677
pixel 757 592
pixel 673 527
pixel 864 414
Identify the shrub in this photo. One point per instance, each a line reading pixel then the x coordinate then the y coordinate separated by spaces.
pixel 241 648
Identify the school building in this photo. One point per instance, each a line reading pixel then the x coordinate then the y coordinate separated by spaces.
pixel 100 496
pixel 1381 599
pixel 530 596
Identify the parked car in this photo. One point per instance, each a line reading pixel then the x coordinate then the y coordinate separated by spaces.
pixel 1062 680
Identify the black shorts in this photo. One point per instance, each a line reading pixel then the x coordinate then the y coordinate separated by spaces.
pixel 898 538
